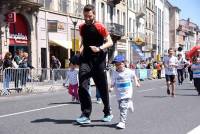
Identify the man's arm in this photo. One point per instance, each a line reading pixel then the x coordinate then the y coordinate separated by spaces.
pixel 81 47
pixel 107 44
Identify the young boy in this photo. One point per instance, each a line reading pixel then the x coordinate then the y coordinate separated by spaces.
pixel 122 83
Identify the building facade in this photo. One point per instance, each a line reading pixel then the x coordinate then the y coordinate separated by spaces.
pixel 149 28
pixel 174 24
pixel 188 34
pixel 18 24
pixel 159 31
pixel 166 23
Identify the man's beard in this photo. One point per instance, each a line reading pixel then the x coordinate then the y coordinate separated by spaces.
pixel 89 22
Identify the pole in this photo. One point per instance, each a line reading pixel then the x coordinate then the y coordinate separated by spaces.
pixel 74 39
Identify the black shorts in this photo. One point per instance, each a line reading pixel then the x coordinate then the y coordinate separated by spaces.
pixel 171 78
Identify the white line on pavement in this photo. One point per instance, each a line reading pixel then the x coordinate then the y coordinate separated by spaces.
pixel 39 109
pixel 146 90
pixel 33 110
pixel 195 130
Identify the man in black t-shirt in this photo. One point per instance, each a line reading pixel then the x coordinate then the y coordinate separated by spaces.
pixel 95 41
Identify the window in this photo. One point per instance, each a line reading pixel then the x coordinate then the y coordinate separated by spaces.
pixel 124 19
pixel 48 4
pixel 94 3
pixel 130 4
pixel 41 2
pixel 152 21
pixel 102 13
pixel 130 26
pixel 118 17
pixel 64 6
pixel 133 1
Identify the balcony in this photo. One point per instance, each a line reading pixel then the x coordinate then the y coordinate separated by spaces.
pixel 116 29
pixel 112 3
pixel 140 10
pixel 32 5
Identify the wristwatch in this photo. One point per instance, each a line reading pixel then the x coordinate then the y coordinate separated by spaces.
pixel 100 49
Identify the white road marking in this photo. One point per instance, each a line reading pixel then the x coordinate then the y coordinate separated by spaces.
pixel 195 130
pixel 39 109
pixel 146 90
pixel 33 110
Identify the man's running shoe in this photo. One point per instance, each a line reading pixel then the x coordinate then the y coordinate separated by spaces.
pixel 168 91
pixel 108 118
pixel 83 120
pixel 173 95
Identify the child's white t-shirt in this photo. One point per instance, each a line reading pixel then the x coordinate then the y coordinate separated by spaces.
pixel 72 76
pixel 122 82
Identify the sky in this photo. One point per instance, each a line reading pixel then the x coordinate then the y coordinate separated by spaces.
pixel 189 9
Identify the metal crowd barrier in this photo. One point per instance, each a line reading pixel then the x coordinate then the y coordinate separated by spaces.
pixel 45 79
pixel 148 73
pixel 31 80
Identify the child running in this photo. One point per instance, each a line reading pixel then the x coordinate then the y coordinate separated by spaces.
pixel 72 76
pixel 122 83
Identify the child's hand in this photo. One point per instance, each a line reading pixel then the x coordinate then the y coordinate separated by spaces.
pixel 110 89
pixel 137 84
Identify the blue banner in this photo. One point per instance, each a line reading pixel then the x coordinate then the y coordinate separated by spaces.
pixel 138 51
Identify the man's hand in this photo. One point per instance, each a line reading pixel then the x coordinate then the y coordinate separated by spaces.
pixel 95 49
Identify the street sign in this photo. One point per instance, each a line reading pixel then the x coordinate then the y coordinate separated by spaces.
pixel 10 17
pixel 139 40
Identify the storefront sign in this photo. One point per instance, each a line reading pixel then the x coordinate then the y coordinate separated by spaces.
pixel 11 17
pixel 19 38
pixel 18 32
pixel 52 26
pixel 55 26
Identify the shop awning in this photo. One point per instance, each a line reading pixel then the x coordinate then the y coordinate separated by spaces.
pixel 63 43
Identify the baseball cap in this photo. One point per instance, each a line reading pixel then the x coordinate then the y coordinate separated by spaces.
pixel 118 58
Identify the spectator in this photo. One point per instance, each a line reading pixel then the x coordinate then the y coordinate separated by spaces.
pixel 7 63
pixel 55 64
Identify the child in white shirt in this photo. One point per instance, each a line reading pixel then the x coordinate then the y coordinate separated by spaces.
pixel 122 84
pixel 72 76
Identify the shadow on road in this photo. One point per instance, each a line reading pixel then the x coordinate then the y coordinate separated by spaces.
pixel 73 122
pixel 99 125
pixel 185 89
pixel 186 95
pixel 60 103
pixel 53 121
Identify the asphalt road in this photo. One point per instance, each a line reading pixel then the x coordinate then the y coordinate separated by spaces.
pixel 53 113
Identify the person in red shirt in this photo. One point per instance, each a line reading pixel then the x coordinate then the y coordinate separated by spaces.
pixel 159 68
pixel 95 41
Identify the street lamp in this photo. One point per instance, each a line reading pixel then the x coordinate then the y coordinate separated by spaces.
pixel 74 21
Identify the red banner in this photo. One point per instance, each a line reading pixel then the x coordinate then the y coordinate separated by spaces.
pixel 19 31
